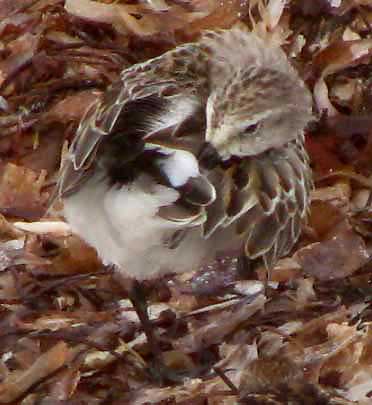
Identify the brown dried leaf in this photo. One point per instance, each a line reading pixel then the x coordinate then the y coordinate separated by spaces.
pixel 21 50
pixel 342 54
pixel 72 107
pixel 21 192
pixel 335 258
pixel 75 256
pixel 337 56
pixel 219 326
pixel 17 384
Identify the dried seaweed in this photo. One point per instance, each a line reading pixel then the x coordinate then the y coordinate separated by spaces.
pixel 68 333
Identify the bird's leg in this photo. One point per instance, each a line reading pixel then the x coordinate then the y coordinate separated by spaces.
pixel 139 302
pixel 246 267
pixel 267 279
pixel 159 370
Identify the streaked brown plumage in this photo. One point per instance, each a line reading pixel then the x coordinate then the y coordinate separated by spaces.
pixel 197 152
pixel 242 97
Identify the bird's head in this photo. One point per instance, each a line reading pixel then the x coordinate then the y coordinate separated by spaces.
pixel 256 109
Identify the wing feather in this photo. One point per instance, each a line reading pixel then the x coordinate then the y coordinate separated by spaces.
pixel 266 203
pixel 161 77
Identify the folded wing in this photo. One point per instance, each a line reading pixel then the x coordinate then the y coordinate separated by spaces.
pixel 265 198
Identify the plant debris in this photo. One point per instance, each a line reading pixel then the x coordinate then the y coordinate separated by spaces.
pixel 68 332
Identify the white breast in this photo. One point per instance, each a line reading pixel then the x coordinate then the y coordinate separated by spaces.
pixel 122 225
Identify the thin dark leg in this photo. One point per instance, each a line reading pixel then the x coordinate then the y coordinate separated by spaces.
pixel 244 268
pixel 138 299
pixel 159 371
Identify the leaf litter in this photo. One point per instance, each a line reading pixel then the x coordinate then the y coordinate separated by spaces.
pixel 68 334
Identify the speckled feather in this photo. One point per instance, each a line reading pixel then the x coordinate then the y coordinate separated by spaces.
pixel 261 198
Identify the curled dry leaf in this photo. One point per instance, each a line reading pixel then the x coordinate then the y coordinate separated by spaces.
pixel 337 56
pixel 335 258
pixel 342 54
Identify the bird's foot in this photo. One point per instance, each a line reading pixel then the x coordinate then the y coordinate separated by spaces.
pixel 164 375
pixel 174 368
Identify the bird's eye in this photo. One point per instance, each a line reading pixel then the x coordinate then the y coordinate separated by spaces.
pixel 251 129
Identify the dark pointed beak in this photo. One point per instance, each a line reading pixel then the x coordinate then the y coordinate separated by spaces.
pixel 208 156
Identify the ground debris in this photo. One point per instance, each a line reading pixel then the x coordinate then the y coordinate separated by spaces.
pixel 68 333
